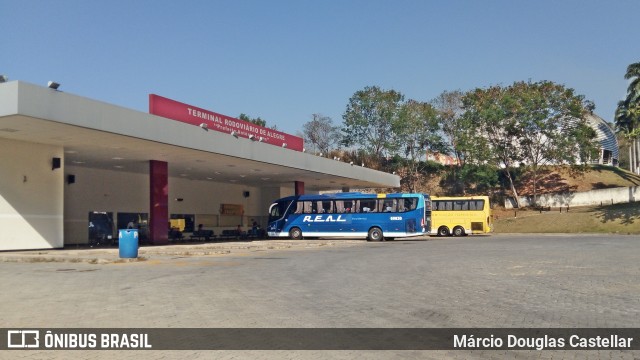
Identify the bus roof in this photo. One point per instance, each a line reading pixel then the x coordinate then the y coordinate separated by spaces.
pixel 478 197
pixel 350 195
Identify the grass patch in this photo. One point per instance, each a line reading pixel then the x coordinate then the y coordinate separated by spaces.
pixel 618 218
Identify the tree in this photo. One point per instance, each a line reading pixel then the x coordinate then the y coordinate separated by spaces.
pixel 416 130
pixel 449 107
pixel 321 132
pixel 533 123
pixel 627 116
pixel 258 121
pixel 368 120
pixel 553 126
pixel 492 130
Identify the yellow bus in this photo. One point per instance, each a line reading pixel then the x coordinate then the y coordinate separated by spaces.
pixel 460 216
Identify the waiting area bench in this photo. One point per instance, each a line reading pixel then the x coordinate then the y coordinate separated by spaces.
pixel 202 235
pixel 230 234
pixel 175 235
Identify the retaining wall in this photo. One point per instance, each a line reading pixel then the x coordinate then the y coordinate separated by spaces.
pixel 593 197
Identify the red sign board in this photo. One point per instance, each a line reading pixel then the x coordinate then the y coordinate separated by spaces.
pixel 176 110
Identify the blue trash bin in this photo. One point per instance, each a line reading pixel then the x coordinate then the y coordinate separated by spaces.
pixel 128 243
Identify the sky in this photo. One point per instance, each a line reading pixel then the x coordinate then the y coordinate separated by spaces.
pixel 283 61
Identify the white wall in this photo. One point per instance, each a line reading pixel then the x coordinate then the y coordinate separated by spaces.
pixel 593 197
pixel 100 190
pixel 31 196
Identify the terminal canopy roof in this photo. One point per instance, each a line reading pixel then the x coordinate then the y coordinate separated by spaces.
pixel 104 136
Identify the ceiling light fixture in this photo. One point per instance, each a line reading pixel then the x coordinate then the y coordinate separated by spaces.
pixel 204 127
pixel 53 85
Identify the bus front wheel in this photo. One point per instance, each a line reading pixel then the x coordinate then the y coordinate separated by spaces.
pixel 375 234
pixel 295 234
pixel 443 231
pixel 458 231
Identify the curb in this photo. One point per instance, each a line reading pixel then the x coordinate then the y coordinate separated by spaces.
pixel 111 255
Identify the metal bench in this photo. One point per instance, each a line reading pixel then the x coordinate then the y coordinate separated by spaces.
pixel 202 235
pixel 230 234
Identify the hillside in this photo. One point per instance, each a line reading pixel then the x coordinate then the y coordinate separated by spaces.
pixel 559 179
pixel 618 219
pixel 556 179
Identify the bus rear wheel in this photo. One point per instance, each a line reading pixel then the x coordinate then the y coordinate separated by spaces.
pixel 458 231
pixel 443 231
pixel 375 234
pixel 295 234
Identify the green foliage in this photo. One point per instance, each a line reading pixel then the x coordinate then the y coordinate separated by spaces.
pixel 470 179
pixel 482 177
pixel 535 123
pixel 484 129
pixel 258 121
pixel 416 130
pixel 369 118
pixel 627 117
pixel 392 130
pixel 449 116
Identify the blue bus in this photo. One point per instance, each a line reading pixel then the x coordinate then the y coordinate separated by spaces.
pixel 376 217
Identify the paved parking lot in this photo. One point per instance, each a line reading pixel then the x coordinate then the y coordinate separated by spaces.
pixel 531 281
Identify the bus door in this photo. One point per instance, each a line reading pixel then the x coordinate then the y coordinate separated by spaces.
pixel 427 214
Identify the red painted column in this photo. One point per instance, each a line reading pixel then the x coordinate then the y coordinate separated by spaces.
pixel 159 202
pixel 299 186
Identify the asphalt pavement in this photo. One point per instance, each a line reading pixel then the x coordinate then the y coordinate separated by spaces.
pixel 496 281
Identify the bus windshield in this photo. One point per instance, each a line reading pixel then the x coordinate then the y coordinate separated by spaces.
pixel 278 209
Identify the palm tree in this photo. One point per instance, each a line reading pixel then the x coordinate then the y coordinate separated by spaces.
pixel 627 115
pixel 633 73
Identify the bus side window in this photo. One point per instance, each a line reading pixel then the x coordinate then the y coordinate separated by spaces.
pixel 461 205
pixel 308 207
pixel 325 206
pixel 368 206
pixel 407 205
pixel 476 205
pixel 348 207
pixel 388 206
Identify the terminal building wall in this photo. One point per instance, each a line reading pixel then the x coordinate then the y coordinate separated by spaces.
pixel 103 191
pixel 31 196
pixel 128 192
